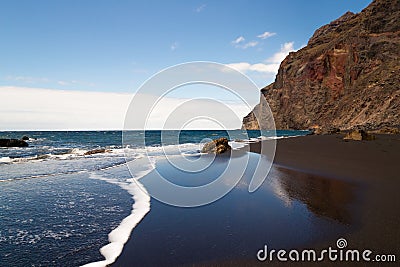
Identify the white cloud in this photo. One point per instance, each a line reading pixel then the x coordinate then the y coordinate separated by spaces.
pixel 75 82
pixel 271 65
pixel 25 108
pixel 258 67
pixel 200 8
pixel 175 113
pixel 241 66
pixel 250 44
pixel 35 108
pixel 63 83
pixel 27 79
pixel 284 51
pixel 37 81
pixel 174 46
pixel 268 68
pixel 238 40
pixel 239 43
pixel 266 35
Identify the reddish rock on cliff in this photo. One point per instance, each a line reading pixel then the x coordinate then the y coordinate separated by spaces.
pixel 348 75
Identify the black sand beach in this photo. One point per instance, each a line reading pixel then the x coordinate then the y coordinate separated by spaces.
pixel 372 165
pixel 320 189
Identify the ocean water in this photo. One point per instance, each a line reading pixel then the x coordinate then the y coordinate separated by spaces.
pixel 60 207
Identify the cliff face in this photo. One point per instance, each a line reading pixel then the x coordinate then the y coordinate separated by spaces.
pixel 348 75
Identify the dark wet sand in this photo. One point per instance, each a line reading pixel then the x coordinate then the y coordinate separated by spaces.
pixel 320 189
pixel 372 165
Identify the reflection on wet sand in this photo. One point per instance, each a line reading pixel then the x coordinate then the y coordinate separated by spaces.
pixel 289 210
pixel 323 196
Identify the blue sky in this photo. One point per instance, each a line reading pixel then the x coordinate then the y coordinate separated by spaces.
pixel 117 45
pixel 114 46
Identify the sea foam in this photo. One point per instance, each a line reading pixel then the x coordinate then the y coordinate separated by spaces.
pixel 120 235
pixel 5 160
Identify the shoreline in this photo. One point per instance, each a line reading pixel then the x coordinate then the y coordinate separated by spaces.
pixel 371 165
pixel 315 154
pixel 323 172
pixel 234 228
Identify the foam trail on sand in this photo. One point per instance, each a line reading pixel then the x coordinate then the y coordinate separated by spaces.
pixel 120 235
pixel 276 137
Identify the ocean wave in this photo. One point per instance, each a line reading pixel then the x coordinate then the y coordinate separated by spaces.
pixel 5 160
pixel 47 153
pixel 75 161
pixel 76 171
pixel 112 151
pixel 120 235
pixel 277 137
pixel 34 140
pixel 237 145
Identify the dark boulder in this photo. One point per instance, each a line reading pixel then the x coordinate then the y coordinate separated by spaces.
pixel 315 130
pixel 96 151
pixel 359 135
pixel 25 138
pixel 217 146
pixel 318 130
pixel 13 143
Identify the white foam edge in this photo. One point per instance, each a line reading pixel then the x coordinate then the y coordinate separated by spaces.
pixel 193 154
pixel 5 160
pixel 237 145
pixel 80 153
pixel 120 235
pixel 276 137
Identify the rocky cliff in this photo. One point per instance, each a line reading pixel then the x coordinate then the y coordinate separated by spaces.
pixel 348 75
